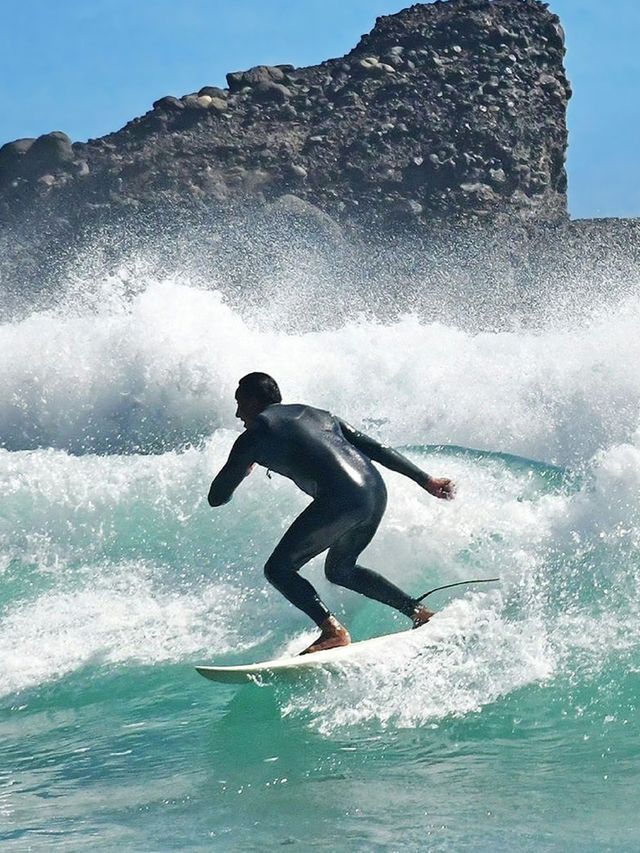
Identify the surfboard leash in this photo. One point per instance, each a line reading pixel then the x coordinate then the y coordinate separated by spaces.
pixel 458 583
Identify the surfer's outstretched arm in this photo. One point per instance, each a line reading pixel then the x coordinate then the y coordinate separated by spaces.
pixel 235 469
pixel 440 487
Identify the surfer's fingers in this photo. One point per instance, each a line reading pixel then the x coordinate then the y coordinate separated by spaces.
pixel 442 488
pixel 446 491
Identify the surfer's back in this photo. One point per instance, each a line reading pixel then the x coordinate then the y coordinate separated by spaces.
pixel 308 446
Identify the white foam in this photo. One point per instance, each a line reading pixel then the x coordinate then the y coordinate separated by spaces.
pixel 128 563
pixel 467 658
pixel 117 559
pixel 473 653
pixel 160 368
pixel 121 560
pixel 112 620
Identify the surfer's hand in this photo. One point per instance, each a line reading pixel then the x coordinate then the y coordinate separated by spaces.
pixel 440 487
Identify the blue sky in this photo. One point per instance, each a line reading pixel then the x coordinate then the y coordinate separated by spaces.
pixel 88 66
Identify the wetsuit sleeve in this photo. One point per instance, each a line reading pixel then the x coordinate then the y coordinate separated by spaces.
pixel 386 456
pixel 235 469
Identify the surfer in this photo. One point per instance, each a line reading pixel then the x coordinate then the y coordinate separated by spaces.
pixel 330 461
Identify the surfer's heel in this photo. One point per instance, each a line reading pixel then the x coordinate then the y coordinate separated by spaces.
pixel 420 616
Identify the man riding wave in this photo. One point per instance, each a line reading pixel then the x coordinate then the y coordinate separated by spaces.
pixel 332 462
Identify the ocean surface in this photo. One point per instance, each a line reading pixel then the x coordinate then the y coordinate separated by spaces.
pixel 510 723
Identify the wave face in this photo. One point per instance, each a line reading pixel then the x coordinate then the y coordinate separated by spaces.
pixel 511 719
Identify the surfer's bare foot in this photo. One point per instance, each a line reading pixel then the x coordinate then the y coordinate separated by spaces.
pixel 333 634
pixel 420 616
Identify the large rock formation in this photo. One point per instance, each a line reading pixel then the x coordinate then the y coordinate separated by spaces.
pixel 422 171
pixel 444 111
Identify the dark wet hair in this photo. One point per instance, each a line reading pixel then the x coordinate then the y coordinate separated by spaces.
pixel 260 387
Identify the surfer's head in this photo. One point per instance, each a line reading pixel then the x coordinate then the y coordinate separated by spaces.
pixel 255 392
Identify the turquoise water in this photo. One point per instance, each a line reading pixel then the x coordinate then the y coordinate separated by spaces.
pixel 511 723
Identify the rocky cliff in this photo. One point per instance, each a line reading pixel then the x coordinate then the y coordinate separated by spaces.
pixel 422 171
pixel 445 111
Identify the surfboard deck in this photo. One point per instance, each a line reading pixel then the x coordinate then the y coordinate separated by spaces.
pixel 291 666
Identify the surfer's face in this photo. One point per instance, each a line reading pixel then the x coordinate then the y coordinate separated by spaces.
pixel 247 409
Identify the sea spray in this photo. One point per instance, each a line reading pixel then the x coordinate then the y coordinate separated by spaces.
pixel 158 372
pixel 515 707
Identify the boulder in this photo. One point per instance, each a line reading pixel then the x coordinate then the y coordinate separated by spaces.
pixel 237 80
pixel 168 104
pixel 11 156
pixel 274 92
pixel 478 193
pixel 293 211
pixel 297 172
pixel 218 105
pixel 213 92
pixel 51 151
pixel 196 102
pixel 372 65
pixel 407 208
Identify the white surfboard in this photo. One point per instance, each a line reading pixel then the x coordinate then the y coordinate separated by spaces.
pixel 289 666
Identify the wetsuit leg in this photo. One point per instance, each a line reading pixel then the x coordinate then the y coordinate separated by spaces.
pixel 341 567
pixel 314 530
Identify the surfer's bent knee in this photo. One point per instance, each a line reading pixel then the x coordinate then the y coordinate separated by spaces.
pixel 338 572
pixel 277 570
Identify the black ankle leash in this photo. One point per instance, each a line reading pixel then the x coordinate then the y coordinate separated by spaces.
pixel 459 583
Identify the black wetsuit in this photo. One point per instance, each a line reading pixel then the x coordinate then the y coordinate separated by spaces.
pixel 330 461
